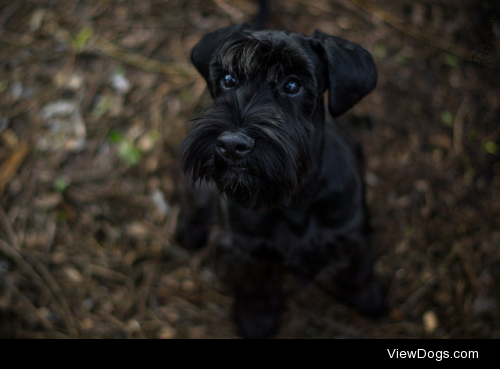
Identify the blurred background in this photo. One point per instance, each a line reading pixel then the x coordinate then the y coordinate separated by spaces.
pixel 93 99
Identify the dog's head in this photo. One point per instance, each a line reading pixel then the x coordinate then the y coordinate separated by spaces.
pixel 255 140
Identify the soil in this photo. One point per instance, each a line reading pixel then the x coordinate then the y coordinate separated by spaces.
pixel 93 100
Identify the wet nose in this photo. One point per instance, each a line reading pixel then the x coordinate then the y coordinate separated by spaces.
pixel 234 146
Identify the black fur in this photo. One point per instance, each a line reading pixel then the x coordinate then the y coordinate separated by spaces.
pixel 294 190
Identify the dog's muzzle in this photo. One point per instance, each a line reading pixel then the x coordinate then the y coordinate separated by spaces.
pixel 234 146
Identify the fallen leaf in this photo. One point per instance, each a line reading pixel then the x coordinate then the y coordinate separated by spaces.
pixel 11 165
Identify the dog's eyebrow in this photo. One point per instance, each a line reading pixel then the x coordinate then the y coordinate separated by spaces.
pixel 249 56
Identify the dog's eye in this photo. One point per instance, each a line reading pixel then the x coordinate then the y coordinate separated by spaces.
pixel 228 81
pixel 292 87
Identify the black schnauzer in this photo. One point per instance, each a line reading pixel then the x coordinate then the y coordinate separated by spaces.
pixel 290 188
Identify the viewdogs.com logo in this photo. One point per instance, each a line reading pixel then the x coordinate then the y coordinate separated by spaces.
pixel 436 355
pixel 486 56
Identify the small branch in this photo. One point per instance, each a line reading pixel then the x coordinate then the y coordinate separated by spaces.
pixel 415 32
pixel 9 251
pixel 43 321
pixel 142 62
pixel 10 165
pixel 8 229
pixel 419 293
pixel 236 14
pixel 458 126
pixel 116 52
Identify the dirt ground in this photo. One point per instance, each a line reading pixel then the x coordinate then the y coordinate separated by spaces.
pixel 93 99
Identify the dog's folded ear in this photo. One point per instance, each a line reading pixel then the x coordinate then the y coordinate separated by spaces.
pixel 348 68
pixel 201 56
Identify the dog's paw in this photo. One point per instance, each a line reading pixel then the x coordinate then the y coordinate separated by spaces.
pixel 370 299
pixel 258 319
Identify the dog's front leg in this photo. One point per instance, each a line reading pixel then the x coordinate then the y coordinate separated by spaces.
pixel 197 217
pixel 257 286
pixel 357 285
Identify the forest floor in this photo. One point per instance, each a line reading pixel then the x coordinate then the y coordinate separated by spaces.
pixel 93 100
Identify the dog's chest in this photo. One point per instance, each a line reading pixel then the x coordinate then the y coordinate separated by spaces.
pixel 302 238
pixel 315 241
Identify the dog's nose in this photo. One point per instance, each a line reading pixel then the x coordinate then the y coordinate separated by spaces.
pixel 234 146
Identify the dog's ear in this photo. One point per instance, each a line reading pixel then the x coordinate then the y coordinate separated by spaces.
pixel 201 56
pixel 348 69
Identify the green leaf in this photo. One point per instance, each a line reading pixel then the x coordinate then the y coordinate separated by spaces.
pixel 402 59
pixel 103 106
pixel 380 50
pixel 81 38
pixel 116 137
pixel 3 85
pixel 129 153
pixel 60 185
pixel 408 229
pixel 472 136
pixel 447 117
pixel 452 60
pixel 491 147
pixel 61 216
pixel 118 71
pixel 154 135
pixel 185 96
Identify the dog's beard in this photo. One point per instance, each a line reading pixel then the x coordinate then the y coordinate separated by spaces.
pixel 259 182
pixel 271 173
pixel 240 188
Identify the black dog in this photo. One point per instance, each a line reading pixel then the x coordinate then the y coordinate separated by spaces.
pixel 291 188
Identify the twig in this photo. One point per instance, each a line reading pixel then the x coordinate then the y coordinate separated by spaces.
pixel 142 62
pixel 23 264
pixel 403 26
pixel 347 330
pixel 46 324
pixel 29 104
pixel 155 316
pixel 171 224
pixel 115 321
pixel 458 126
pixel 101 8
pixel 10 165
pixel 461 249
pixel 112 50
pixel 56 292
pixel 9 12
pixel 109 274
pixel 235 13
pixel 246 6
pixel 8 229
pixel 419 293
pixel 151 276
pixel 320 6
pixel 51 231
